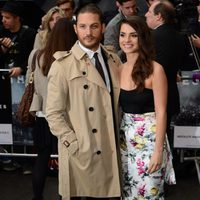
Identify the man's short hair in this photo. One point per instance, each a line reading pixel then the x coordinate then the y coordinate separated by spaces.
pixel 167 11
pixel 60 2
pixel 89 8
pixel 122 1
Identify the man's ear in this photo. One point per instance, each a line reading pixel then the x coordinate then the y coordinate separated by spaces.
pixel 75 29
pixel 103 27
pixel 159 17
pixel 118 4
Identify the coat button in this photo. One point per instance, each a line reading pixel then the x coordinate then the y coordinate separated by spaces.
pixel 84 73
pixel 85 86
pixel 91 109
pixel 98 152
pixel 94 130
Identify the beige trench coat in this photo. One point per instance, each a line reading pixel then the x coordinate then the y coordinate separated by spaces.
pixel 79 113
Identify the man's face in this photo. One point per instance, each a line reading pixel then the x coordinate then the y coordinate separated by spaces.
pixel 89 30
pixel 128 8
pixel 9 21
pixel 68 10
pixel 151 18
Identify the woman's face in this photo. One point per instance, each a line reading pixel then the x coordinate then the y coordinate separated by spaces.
pixel 54 18
pixel 128 39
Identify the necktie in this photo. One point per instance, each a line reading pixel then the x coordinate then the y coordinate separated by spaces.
pixel 99 66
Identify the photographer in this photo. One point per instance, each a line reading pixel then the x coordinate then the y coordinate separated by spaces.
pixel 188 15
pixel 16 40
pixel 16 43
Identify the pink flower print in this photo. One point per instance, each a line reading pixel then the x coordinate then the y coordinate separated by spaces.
pixel 140 167
pixel 138 118
pixel 140 130
pixel 133 142
pixel 142 190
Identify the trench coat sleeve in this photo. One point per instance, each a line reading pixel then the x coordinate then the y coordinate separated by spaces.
pixel 56 108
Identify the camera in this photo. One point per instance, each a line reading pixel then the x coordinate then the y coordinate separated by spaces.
pixel 187 16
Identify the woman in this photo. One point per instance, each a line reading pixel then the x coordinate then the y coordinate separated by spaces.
pixel 48 22
pixel 145 154
pixel 61 38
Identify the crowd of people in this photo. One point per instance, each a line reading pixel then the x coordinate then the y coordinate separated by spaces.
pixel 105 95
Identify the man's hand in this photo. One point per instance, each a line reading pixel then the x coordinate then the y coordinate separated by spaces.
pixel 196 40
pixel 6 43
pixel 15 71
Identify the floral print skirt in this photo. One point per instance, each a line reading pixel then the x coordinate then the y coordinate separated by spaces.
pixel 137 141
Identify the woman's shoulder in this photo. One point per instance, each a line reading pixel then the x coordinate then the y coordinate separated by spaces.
pixel 157 68
pixel 158 72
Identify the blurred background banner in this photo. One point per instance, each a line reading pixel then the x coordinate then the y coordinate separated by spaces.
pixel 5 108
pixel 187 137
pixel 11 90
pixel 187 123
pixel 189 90
pixel 20 135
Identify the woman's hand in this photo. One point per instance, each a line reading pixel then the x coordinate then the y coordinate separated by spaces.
pixel 155 162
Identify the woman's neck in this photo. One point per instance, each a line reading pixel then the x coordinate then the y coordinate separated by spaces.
pixel 131 59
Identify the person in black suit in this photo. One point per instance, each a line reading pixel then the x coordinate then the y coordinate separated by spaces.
pixel 169 45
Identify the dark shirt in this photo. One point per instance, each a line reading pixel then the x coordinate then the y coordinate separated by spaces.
pixel 17 55
pixel 134 102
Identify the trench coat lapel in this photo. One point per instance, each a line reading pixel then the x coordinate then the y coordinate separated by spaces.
pixel 87 66
pixel 93 75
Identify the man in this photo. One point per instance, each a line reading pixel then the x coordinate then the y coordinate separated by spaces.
pixel 82 112
pixel 127 8
pixel 16 43
pixel 67 6
pixel 16 40
pixel 169 46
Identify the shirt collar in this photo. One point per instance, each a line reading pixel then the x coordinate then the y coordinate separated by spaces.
pixel 89 52
pixel 159 25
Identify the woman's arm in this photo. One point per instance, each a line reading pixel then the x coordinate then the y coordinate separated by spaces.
pixel 159 86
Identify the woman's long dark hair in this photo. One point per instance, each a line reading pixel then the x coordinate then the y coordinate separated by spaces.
pixel 61 38
pixel 143 67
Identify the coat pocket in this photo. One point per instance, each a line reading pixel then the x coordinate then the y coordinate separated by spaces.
pixel 73 148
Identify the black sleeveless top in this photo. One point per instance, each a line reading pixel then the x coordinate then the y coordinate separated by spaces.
pixel 134 102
